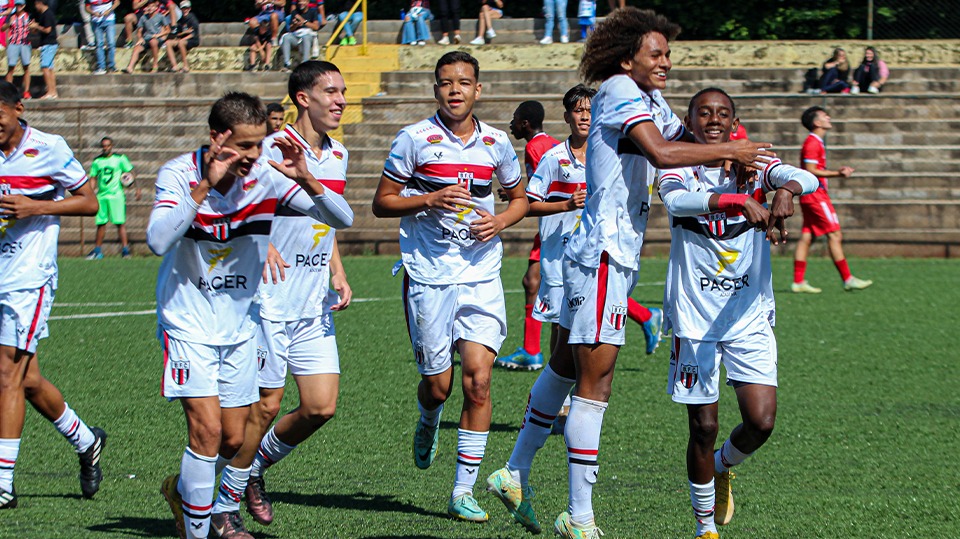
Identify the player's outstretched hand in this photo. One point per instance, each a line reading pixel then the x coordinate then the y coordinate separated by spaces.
pixel 780 209
pixel 294 163
pixel 275 265
pixel 577 200
pixel 756 214
pixel 220 159
pixel 339 283
pixel 846 171
pixel 752 155
pixel 486 227
pixel 18 207
pixel 451 198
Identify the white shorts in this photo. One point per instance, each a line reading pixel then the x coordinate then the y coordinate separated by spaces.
pixel 304 347
pixel 547 307
pixel 695 365
pixel 198 370
pixel 23 317
pixel 440 315
pixel 595 301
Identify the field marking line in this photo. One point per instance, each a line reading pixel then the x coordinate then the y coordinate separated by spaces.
pixel 104 304
pixel 101 315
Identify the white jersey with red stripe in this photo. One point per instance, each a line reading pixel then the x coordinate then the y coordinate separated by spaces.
pixel 619 176
pixel 303 242
pixel 718 277
pixel 437 245
pixel 208 280
pixel 559 175
pixel 41 167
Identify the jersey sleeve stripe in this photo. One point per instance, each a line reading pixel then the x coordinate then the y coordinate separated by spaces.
pixel 512 184
pixel 395 177
pixel 333 184
pixel 289 194
pixel 534 196
pixel 632 121
pixel 671 176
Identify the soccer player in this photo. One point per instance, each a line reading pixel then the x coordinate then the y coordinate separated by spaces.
pixel 819 217
pixel 632 131
pixel 107 170
pixel 211 222
pixel 438 180
pixel 296 305
pixel 527 124
pixel 274 117
pixel 717 303
pixel 35 170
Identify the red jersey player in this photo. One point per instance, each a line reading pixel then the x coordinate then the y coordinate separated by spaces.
pixel 819 217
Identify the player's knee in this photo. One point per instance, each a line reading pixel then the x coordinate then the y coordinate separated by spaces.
pixel 267 410
pixel 762 427
pixel 477 391
pixel 531 282
pixel 231 443
pixel 206 438
pixel 704 431
pixel 319 414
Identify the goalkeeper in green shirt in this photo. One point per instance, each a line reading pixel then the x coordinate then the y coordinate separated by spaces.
pixel 111 171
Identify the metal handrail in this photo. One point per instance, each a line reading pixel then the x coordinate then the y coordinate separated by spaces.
pixel 362 4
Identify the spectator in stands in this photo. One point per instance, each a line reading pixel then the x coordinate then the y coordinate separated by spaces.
pixel 17 27
pixel 89 40
pixel 186 36
pixel 261 49
pixel 131 19
pixel 46 26
pixel 274 118
pixel 836 72
pixel 449 21
pixel 304 23
pixel 152 31
pixel 416 23
pixel 872 73
pixel 169 9
pixel 267 22
pixel 102 19
pixel 587 15
pixel 555 10
pixel 347 35
pixel 7 7
pixel 489 10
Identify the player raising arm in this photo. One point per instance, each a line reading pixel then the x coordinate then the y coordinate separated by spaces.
pixel 211 222
pixel 717 302
pixel 632 131
pixel 36 168
pixel 438 179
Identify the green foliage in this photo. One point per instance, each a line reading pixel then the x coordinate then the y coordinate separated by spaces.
pixel 866 425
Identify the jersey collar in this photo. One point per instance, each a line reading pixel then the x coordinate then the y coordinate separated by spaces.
pixel 476 129
pixel 27 133
pixel 573 158
pixel 325 146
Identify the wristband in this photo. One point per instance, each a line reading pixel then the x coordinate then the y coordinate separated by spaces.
pixel 731 201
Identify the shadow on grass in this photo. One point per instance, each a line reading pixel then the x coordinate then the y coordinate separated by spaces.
pixel 59 496
pixel 359 501
pixel 137 527
pixel 494 427
pixel 401 537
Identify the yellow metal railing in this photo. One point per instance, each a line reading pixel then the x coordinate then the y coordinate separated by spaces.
pixel 362 4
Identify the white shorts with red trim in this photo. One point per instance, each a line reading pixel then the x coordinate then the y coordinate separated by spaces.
pixel 594 306
pixel 440 315
pixel 23 317
pixel 547 307
pixel 304 347
pixel 198 370
pixel 695 365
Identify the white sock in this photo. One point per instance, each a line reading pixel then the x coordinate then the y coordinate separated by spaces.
pixel 470 448
pixel 430 418
pixel 222 463
pixel 232 484
pixel 9 449
pixel 703 497
pixel 271 451
pixel 583 446
pixel 74 429
pixel 197 479
pixel 727 457
pixel 544 403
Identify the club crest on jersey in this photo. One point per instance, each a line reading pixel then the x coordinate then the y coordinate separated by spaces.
pixel 31 152
pixel 689 375
pixel 338 155
pixel 465 178
pixel 717 223
pixel 221 228
pixel 419 353
pixel 618 316
pixel 543 306
pixel 250 184
pixel 180 372
pixel 435 139
pixel 5 189
pixel 261 358
pixel 489 141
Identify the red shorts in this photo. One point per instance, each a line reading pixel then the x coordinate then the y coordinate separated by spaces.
pixel 819 217
pixel 535 250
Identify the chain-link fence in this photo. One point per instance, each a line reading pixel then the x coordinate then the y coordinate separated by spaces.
pixel 907 19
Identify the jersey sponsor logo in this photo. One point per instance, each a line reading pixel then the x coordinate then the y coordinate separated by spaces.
pixel 435 139
pixel 6 223
pixel 261 358
pixel 457 233
pixel 223 282
pixel 618 316
pixel 724 284
pixel 250 184
pixel 10 247
pixel 221 228
pixel 575 303
pixel 318 260
pixel 438 155
pixel 489 141
pixel 726 259
pixel 180 372
pixel 217 256
pixel 321 232
pixel 689 375
pixel 338 155
pixel 564 162
pixel 31 152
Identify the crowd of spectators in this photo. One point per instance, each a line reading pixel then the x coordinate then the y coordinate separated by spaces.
pixel 834 75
